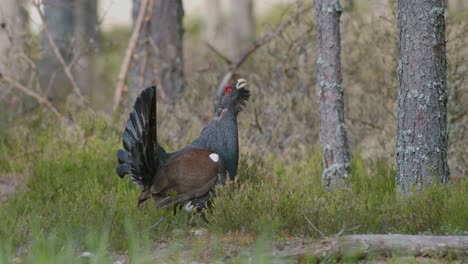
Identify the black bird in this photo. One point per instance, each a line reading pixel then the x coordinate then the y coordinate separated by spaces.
pixel 186 176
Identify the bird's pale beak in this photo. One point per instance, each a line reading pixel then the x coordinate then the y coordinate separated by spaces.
pixel 241 83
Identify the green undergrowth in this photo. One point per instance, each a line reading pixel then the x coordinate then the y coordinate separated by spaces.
pixel 73 198
pixel 289 197
pixel 74 202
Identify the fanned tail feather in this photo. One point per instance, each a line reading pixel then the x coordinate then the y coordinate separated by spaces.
pixel 142 154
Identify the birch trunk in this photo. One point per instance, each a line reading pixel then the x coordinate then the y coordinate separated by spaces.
pixel 421 148
pixel 333 138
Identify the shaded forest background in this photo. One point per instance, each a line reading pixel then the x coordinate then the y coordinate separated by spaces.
pixel 283 117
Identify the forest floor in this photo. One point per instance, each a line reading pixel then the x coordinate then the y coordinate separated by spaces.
pixel 60 201
pixel 199 245
pixel 10 183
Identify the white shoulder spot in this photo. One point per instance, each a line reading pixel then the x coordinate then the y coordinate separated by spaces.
pixel 188 207
pixel 214 157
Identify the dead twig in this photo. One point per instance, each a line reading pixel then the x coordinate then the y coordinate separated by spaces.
pixel 128 55
pixel 314 227
pixel 154 225
pixel 218 53
pixel 42 100
pixel 257 123
pixel 56 50
pixel 252 48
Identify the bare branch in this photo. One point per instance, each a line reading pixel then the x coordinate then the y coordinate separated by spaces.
pixel 253 47
pixel 128 55
pixel 15 84
pixel 257 123
pixel 56 50
pixel 218 53
pixel 314 227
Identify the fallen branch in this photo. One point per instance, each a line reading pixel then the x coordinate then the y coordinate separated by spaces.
pixel 56 50
pixel 128 55
pixel 360 246
pixel 42 100
pixel 252 48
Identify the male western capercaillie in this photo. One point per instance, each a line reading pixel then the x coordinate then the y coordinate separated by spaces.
pixel 186 176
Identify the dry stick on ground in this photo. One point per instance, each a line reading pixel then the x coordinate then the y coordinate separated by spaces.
pixel 57 53
pixel 252 48
pixel 128 55
pixel 15 84
pixel 361 246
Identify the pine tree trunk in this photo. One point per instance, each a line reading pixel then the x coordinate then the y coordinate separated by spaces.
pixel 159 55
pixel 241 26
pixel 335 150
pixel 421 148
pixel 59 19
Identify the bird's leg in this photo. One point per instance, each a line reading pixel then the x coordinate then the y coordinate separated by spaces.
pixel 144 195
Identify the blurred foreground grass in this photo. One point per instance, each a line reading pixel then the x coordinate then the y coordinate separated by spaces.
pixel 73 202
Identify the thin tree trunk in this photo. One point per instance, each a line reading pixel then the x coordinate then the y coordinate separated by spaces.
pixel 159 55
pixel 87 37
pixel 59 20
pixel 335 150
pixel 421 148
pixel 12 31
pixel 241 26
pixel 213 23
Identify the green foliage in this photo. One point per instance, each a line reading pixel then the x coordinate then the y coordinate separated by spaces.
pixel 290 199
pixel 74 202
pixel 73 198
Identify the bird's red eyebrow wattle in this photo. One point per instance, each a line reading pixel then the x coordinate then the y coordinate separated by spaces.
pixel 227 89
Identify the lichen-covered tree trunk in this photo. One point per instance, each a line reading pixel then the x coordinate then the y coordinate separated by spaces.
pixel 333 139
pixel 421 147
pixel 159 55
pixel 59 20
pixel 241 26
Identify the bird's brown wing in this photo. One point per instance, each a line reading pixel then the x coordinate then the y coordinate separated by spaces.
pixel 184 197
pixel 189 174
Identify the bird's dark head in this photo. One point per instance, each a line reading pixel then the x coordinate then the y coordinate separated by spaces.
pixel 235 96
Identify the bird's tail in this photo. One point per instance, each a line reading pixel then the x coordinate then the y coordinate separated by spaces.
pixel 142 154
